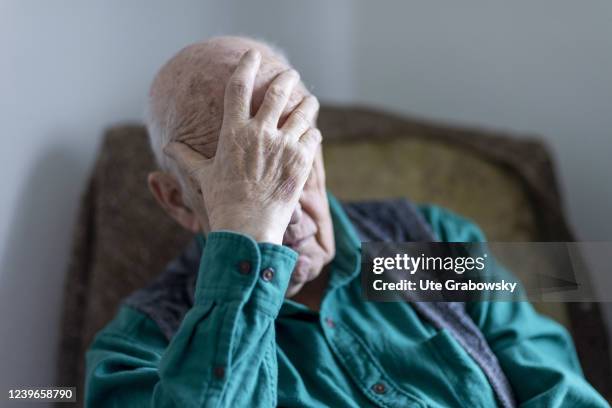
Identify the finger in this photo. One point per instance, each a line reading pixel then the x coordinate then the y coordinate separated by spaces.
pixel 302 118
pixel 277 96
pixel 185 156
pixel 311 140
pixel 239 88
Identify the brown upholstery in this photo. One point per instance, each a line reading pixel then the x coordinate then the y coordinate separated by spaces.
pixel 506 184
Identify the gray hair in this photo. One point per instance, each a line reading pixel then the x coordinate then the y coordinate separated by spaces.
pixel 160 129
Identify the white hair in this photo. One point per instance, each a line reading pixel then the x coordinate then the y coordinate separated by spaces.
pixel 160 129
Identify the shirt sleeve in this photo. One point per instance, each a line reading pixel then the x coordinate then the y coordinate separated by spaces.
pixel 224 352
pixel 536 353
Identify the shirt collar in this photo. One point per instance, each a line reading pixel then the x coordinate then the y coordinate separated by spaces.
pixel 346 264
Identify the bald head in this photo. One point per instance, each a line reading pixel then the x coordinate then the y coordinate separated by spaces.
pixel 186 97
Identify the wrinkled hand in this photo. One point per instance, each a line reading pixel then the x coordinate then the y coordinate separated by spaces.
pixel 254 182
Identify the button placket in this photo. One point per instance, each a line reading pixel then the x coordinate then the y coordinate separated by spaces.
pixel 367 372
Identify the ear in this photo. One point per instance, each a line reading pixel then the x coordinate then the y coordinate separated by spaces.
pixel 167 191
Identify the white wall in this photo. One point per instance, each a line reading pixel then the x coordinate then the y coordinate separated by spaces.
pixel 69 69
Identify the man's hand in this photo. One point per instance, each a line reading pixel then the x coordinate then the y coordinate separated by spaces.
pixel 254 182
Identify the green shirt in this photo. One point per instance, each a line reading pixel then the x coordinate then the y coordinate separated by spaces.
pixel 243 344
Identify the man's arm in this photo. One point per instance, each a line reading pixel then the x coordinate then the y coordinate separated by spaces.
pixel 224 353
pixel 536 353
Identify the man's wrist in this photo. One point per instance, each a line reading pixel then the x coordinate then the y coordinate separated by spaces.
pixel 257 234
pixel 262 229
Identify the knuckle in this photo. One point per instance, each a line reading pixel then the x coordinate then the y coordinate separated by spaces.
pixel 263 132
pixel 269 123
pixel 300 116
pixel 276 92
pixel 238 87
pixel 268 135
pixel 234 110
pixel 299 155
pixel 314 135
pixel 301 161
pixel 315 102
pixel 262 126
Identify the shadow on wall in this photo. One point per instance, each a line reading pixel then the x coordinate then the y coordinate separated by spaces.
pixel 33 265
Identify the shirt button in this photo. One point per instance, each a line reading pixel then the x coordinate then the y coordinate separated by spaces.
pixel 244 267
pixel 267 274
pixel 379 388
pixel 330 322
pixel 219 372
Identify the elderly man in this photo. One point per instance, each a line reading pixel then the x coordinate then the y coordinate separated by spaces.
pixel 265 307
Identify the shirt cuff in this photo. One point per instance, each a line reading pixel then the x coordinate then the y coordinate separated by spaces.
pixel 234 267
